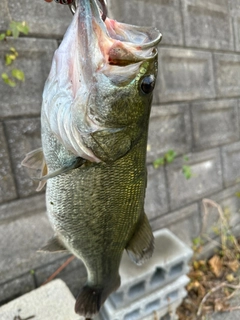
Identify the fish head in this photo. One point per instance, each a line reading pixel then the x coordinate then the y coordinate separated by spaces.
pixel 103 76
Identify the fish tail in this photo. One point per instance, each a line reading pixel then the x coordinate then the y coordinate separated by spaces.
pixel 90 299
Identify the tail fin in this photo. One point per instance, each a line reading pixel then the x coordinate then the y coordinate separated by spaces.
pixel 90 299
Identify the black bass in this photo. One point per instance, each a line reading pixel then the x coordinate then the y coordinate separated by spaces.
pixel 95 114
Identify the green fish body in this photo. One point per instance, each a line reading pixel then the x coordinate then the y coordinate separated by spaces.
pixel 95 115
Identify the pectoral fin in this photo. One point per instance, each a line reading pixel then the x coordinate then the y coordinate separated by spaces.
pixel 35 160
pixel 140 247
pixel 53 245
pixel 78 162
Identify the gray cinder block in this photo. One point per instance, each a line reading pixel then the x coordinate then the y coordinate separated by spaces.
pixel 19 207
pixel 44 19
pixel 35 56
pixel 7 185
pixel 169 128
pixel 236 27
pixel 185 223
pixel 206 178
pixel 164 15
pixel 231 168
pixel 169 261
pixel 227 70
pixel 184 75
pixel 15 288
pixel 235 13
pixel 156 202
pixel 144 308
pixel 215 123
pixel 21 255
pixel 23 136
pixel 166 313
pixel 208 24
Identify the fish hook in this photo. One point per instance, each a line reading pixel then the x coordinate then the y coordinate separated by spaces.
pixel 103 4
pixel 73 7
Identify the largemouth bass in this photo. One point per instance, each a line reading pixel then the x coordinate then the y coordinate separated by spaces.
pixel 94 119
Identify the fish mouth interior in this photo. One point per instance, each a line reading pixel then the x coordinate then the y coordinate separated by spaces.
pixel 131 43
pixel 141 37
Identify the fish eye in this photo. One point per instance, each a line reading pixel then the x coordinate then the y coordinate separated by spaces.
pixel 57 1
pixel 148 84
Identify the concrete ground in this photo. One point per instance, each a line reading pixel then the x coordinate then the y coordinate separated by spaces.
pixel 233 315
pixel 55 301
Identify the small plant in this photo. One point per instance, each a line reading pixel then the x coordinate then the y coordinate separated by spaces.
pixel 215 281
pixel 14 30
pixel 187 172
pixel 168 158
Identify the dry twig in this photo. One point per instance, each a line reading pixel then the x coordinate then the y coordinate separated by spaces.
pixel 63 266
pixel 222 285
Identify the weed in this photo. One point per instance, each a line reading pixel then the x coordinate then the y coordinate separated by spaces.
pixel 14 30
pixel 215 281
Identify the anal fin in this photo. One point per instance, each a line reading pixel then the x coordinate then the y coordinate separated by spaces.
pixel 141 245
pixel 53 245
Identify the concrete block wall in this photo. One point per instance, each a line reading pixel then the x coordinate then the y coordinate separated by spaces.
pixel 195 113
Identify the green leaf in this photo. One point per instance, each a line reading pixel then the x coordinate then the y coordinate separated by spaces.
pixel 18 27
pixel 8 33
pixel 7 80
pixel 8 60
pixel 14 28
pixel 4 76
pixel 170 156
pixel 2 36
pixel 18 74
pixel 158 162
pixel 187 171
pixel 23 27
pixel 197 241
pixel 14 51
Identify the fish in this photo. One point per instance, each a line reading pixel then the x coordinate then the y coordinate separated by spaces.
pixel 94 128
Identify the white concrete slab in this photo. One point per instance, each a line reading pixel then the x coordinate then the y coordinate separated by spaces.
pixel 53 301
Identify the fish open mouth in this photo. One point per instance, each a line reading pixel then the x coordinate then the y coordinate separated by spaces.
pixel 111 42
pixel 132 44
